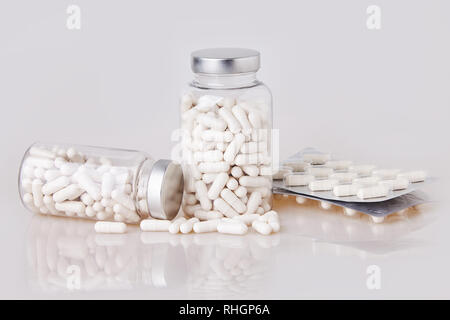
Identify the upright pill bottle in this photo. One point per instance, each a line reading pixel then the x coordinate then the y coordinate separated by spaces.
pixel 99 183
pixel 226 122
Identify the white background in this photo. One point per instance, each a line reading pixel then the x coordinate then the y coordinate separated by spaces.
pixel 378 96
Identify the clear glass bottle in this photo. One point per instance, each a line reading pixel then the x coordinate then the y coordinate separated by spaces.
pixel 226 122
pixel 99 183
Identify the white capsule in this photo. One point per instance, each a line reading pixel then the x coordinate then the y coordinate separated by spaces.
pixel 209 177
pixel 222 206
pixel 123 199
pixel 344 177
pixel 322 185
pixel 55 185
pixel 244 199
pixel 190 210
pixel 97 206
pixel 202 195
pixel 154 225
pixel 372 192
pixel 175 225
pixel 386 174
pixel 186 227
pixel 241 116
pixel 222 146
pixel 216 136
pixel 39 162
pixel 110 227
pixel 300 199
pixel 265 171
pixel 366 182
pixel 232 184
pixel 74 155
pixel 50 175
pixel 319 172
pixel 227 102
pixel 252 171
pixel 213 167
pixel 233 148
pixel 397 184
pixel 128 214
pixel 280 172
pixel 255 119
pixel 248 181
pixel 248 158
pixel 36 190
pixel 86 183
pixel 122 178
pixel 253 202
pixel 377 219
pixel 297 166
pixel 232 227
pixel 28 172
pixel 350 212
pixel 232 122
pixel 186 102
pixel 217 186
pixel 339 164
pixel 207 215
pixel 240 191
pixel 69 168
pixel 39 173
pixel 268 215
pixel 108 182
pixel 208 156
pixel 206 226
pixel 247 218
pixel 236 172
pixel 71 192
pixel 254 147
pixel 296 180
pixel 274 222
pixel 41 152
pixel 48 201
pixel 207 103
pixel 262 227
pixel 190 199
pixel 68 207
pixel 316 158
pixel 345 190
pixel 266 205
pixel 413 176
pixel 90 212
pixel 233 200
pixel 363 170
pixel 212 122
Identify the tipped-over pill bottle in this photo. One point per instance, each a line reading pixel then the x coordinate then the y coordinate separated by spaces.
pixel 226 122
pixel 99 183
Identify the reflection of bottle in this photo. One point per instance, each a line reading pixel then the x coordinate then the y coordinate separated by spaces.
pixel 67 255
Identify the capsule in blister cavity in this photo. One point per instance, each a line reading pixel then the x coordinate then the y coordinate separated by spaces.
pixel 297 180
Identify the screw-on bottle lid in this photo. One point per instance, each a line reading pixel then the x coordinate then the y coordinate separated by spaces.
pixel 165 189
pixel 225 61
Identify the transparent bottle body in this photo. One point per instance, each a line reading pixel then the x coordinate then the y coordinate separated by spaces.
pixel 226 123
pixel 85 182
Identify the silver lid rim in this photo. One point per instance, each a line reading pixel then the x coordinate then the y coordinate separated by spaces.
pixel 225 61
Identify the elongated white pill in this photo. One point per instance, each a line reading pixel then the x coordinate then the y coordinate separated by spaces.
pixel 77 207
pixel 233 200
pixel 280 172
pixel 232 227
pixel 247 218
pixel 413 176
pixel 86 183
pixel 55 185
pixel 339 164
pixel 233 148
pixel 243 159
pixel 213 167
pixel 297 166
pixel 154 225
pixel 316 158
pixel 345 190
pixel 212 122
pixel 344 177
pixel 363 170
pixel 274 222
pixel 240 191
pixel 207 215
pixel 50 175
pixel 209 177
pixel 366 182
pixel 71 192
pixel 126 213
pixel 217 186
pixel 232 122
pixel 206 226
pixel 123 199
pixel 41 152
pixel 268 215
pixel 36 190
pixel 386 174
pixel 241 116
pixel 39 162
pixel 207 103
pixel 186 227
pixel 254 147
pixel 262 227
pixel 69 168
pixel 319 172
pixel 372 192
pixel 175 225
pixel 248 181
pixel 222 206
pixel 232 184
pixel 208 156
pixel 322 185
pixel 217 136
pixel 297 180
pixel 252 171
pixel 255 119
pixel 110 227
pixel 202 195
pixel 397 184
pixel 236 172
pixel 108 182
pixel 253 202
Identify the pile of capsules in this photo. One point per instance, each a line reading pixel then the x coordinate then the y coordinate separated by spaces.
pixel 343 178
pixel 67 183
pixel 226 152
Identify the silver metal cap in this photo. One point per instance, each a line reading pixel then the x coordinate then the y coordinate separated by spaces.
pixel 225 61
pixel 165 189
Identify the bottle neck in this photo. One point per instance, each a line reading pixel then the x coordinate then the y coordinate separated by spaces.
pixel 225 81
